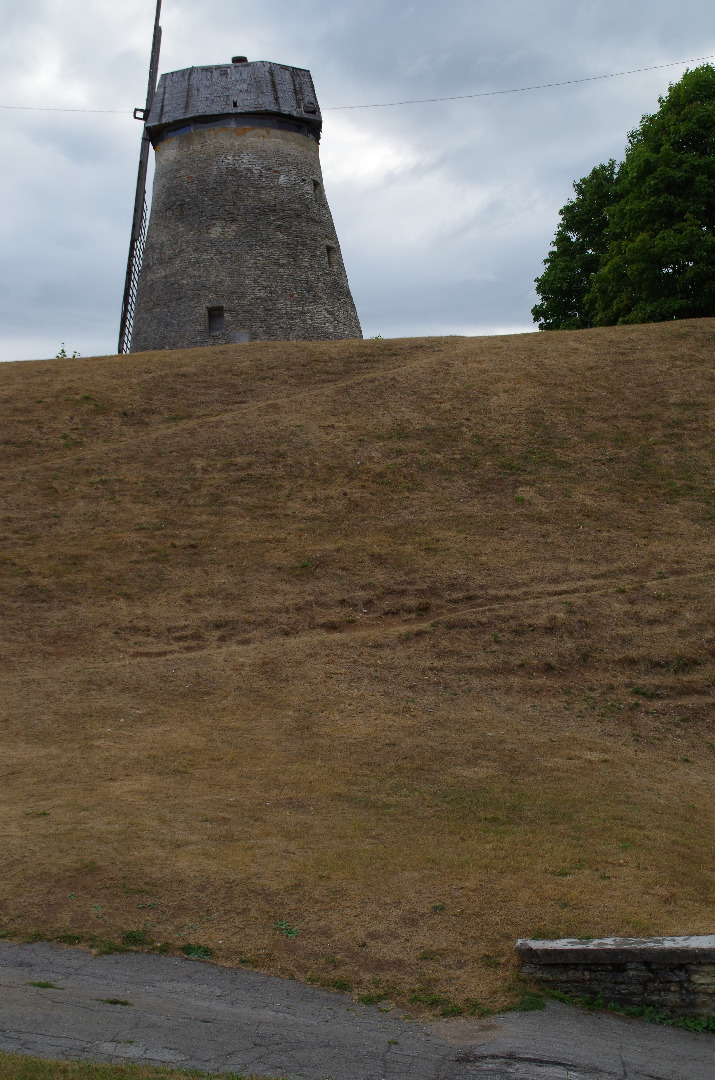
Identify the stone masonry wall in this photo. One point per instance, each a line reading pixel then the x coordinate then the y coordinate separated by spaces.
pixel 239 220
pixel 675 974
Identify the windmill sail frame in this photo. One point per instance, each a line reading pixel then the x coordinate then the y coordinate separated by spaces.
pixel 139 220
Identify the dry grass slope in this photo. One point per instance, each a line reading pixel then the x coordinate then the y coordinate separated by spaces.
pixel 406 646
pixel 20 1067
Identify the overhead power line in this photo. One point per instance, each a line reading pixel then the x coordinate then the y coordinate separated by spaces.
pixel 411 101
pixel 55 108
pixel 517 89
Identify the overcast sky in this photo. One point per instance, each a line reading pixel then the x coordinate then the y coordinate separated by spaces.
pixel 444 211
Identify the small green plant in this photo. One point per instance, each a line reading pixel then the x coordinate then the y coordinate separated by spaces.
pixel 287 931
pixel 696 1023
pixel 642 691
pixel 45 986
pixel 342 984
pixel 106 948
pixel 427 954
pixel 444 1005
pixel 134 937
pixel 438 907
pixel 528 1002
pixel 196 952
pixel 649 1013
pixel 449 1008
pixel 473 1007
pixel 64 355
pixel 371 999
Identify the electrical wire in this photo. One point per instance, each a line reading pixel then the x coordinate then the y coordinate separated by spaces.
pixel 518 89
pixel 54 108
pixel 410 101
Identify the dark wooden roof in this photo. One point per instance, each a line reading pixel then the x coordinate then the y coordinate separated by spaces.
pixel 261 87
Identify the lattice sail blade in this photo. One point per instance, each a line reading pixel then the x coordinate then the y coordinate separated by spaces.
pixel 139 220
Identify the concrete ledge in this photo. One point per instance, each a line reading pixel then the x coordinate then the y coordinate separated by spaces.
pixel 673 973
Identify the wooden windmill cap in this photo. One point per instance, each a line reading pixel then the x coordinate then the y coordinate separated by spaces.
pixel 259 88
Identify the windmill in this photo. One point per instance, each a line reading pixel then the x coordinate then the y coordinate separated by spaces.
pixel 139 221
pixel 240 244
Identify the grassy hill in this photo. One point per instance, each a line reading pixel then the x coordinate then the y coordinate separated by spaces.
pixel 355 661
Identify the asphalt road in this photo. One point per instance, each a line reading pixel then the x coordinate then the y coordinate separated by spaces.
pixel 195 1015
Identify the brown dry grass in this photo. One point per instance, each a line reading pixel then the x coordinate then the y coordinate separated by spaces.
pixel 406 644
pixel 20 1067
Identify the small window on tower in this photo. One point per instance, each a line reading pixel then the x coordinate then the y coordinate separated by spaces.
pixel 316 188
pixel 332 257
pixel 216 320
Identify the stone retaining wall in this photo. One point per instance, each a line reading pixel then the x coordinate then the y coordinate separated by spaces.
pixel 672 973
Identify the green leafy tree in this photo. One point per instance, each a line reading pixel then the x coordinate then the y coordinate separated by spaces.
pixel 661 260
pixel 650 255
pixel 577 249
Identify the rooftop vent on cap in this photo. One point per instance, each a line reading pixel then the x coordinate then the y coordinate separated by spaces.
pixel 239 59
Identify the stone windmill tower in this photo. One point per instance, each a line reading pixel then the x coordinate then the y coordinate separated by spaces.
pixel 240 244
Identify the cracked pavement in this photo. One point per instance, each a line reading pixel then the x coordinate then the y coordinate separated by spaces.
pixel 195 1015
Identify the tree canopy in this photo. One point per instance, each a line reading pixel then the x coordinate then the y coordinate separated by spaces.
pixel 637 243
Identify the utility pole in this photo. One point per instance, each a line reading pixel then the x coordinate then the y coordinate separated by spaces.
pixel 139 221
